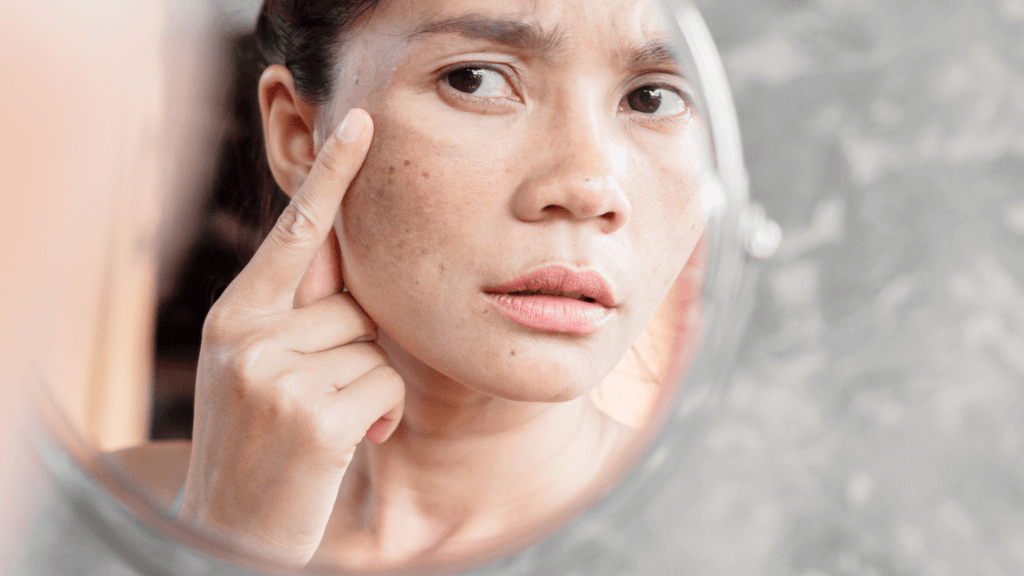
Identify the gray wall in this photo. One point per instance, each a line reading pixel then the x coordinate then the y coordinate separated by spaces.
pixel 875 423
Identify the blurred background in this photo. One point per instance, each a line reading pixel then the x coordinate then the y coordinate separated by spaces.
pixel 874 424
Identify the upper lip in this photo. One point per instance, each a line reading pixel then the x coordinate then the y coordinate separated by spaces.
pixel 561 280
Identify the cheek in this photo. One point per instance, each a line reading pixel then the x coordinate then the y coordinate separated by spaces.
pixel 416 200
pixel 668 215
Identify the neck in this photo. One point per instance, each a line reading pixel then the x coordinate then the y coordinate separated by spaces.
pixel 464 469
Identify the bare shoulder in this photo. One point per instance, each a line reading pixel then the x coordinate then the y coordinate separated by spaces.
pixel 159 466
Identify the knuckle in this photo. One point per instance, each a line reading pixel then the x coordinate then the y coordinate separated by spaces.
pixel 372 353
pixel 367 327
pixel 296 226
pixel 249 362
pixel 329 432
pixel 288 386
pixel 322 427
pixel 215 324
pixel 388 377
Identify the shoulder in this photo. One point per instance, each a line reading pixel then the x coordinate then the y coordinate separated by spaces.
pixel 160 467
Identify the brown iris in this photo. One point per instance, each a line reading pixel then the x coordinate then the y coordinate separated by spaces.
pixel 467 80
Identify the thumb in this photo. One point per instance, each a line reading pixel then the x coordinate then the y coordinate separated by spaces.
pixel 323 277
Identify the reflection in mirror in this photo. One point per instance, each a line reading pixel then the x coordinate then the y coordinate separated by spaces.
pixel 453 251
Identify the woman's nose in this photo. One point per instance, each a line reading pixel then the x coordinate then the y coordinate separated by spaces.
pixel 577 178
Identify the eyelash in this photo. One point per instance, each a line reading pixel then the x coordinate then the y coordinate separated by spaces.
pixel 442 77
pixel 444 73
pixel 685 95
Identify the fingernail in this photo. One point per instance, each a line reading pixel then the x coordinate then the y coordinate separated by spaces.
pixel 352 127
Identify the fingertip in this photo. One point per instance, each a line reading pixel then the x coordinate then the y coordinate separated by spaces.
pixel 354 125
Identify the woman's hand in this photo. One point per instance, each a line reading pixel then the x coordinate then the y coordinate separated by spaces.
pixel 289 380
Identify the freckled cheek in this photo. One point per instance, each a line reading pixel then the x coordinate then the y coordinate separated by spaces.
pixel 388 219
pixel 411 214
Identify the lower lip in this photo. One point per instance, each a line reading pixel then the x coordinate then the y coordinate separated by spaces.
pixel 548 313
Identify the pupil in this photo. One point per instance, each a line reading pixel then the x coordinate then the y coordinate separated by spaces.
pixel 466 80
pixel 646 100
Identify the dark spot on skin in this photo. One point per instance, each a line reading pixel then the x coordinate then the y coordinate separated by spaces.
pixel 391 169
pixel 408 162
pixel 426 175
pixel 441 267
pixel 513 352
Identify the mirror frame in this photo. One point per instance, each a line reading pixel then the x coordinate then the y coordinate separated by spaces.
pixel 148 540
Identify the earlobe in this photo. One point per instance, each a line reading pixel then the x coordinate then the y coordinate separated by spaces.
pixel 288 124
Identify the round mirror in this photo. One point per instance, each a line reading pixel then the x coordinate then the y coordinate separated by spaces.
pixel 441 284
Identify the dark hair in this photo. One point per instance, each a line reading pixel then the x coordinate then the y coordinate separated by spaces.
pixel 304 36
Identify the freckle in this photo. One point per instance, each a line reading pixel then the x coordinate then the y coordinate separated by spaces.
pixel 426 175
pixel 513 352
pixel 391 169
pixel 407 162
pixel 441 267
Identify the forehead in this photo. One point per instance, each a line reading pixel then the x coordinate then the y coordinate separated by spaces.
pixel 589 24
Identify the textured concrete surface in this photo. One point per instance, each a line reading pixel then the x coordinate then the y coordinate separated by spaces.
pixel 874 425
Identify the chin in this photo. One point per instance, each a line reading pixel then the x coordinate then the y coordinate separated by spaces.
pixel 529 378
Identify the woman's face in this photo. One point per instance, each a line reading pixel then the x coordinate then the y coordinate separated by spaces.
pixel 552 141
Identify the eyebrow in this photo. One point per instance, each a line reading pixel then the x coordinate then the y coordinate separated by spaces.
pixel 656 53
pixel 524 36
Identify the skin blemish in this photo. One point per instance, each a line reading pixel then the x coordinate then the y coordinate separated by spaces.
pixel 512 353
pixel 391 169
pixel 408 162
pixel 426 175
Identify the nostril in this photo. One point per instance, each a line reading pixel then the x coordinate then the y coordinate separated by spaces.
pixel 555 208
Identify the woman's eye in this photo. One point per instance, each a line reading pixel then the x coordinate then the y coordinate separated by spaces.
pixel 657 101
pixel 478 81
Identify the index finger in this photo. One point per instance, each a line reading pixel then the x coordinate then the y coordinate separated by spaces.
pixel 272 276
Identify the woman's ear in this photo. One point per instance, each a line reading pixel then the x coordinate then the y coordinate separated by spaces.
pixel 287 128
